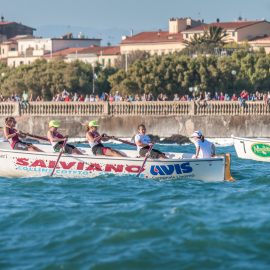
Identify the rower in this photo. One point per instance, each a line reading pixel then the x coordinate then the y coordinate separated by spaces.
pixel 204 148
pixel 94 139
pixel 143 143
pixel 12 135
pixel 57 140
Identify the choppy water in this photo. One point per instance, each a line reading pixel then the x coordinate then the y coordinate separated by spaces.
pixel 129 223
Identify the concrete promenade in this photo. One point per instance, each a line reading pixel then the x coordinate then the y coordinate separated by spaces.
pixel 215 119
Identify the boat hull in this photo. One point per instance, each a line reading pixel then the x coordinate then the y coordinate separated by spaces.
pixel 15 163
pixel 253 149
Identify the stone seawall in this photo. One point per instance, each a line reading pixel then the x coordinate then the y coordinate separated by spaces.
pixel 163 126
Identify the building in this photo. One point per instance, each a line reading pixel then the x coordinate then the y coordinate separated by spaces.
pixel 238 31
pixel 106 56
pixel 182 30
pixel 260 42
pixel 30 49
pixel 12 29
pixel 160 42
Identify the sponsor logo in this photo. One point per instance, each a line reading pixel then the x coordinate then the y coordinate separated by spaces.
pixel 182 168
pixel 73 167
pixel 261 149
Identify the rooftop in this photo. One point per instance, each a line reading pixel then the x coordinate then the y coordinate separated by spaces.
pixel 153 37
pixel 224 25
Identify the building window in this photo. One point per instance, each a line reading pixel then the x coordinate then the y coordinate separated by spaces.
pixel 186 35
pixel 103 62
pixel 21 62
pixel 3 51
pixel 14 64
pixel 22 48
pixel 233 34
pixel 109 61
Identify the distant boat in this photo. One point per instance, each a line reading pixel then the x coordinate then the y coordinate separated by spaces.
pixel 252 148
pixel 16 163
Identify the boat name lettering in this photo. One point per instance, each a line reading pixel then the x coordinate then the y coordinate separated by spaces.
pixel 171 169
pixel 75 166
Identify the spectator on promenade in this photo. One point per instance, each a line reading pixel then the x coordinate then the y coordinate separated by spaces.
pixel 75 97
pixel 137 98
pixel 67 98
pixel 234 97
pixel 176 97
pixel 227 97
pixel 160 97
pixel 24 102
pixel 87 99
pixel 207 96
pixel 39 98
pixel 221 96
pixel 243 98
pixel 265 100
pixel 216 96
pixel 92 98
pixel 150 97
pixel 111 98
pixel 184 98
pixel 117 97
pixel 252 97
pixel 81 98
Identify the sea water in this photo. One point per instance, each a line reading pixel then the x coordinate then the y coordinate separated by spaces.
pixel 113 222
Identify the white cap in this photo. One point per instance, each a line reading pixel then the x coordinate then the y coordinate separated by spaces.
pixel 196 133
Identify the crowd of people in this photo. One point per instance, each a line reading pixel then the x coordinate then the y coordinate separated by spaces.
pixel 200 97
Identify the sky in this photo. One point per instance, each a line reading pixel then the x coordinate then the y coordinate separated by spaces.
pixel 122 16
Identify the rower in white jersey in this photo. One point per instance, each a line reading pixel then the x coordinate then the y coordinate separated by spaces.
pixel 204 148
pixel 143 143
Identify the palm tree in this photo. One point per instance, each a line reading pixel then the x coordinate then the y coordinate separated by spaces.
pixel 214 35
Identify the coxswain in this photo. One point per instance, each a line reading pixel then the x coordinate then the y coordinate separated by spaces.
pixel 204 148
pixel 143 143
pixel 13 136
pixel 57 139
pixel 94 139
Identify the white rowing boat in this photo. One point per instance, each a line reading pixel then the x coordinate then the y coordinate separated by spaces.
pixel 252 148
pixel 16 163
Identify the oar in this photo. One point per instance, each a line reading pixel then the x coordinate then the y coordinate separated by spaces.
pixel 120 140
pixel 145 159
pixel 59 156
pixel 35 136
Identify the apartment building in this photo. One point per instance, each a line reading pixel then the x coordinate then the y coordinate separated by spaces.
pixel 184 29
pixel 27 50
pixel 238 31
pixel 160 42
pixel 104 55
pixel 12 29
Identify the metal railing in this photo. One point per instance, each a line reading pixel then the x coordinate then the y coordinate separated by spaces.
pixel 149 108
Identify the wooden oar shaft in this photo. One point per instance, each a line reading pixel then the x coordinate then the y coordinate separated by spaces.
pixel 36 136
pixel 122 141
pixel 62 150
pixel 145 159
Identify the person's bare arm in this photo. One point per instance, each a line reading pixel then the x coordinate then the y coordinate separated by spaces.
pixel 7 134
pixel 53 139
pixel 197 151
pixel 90 138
